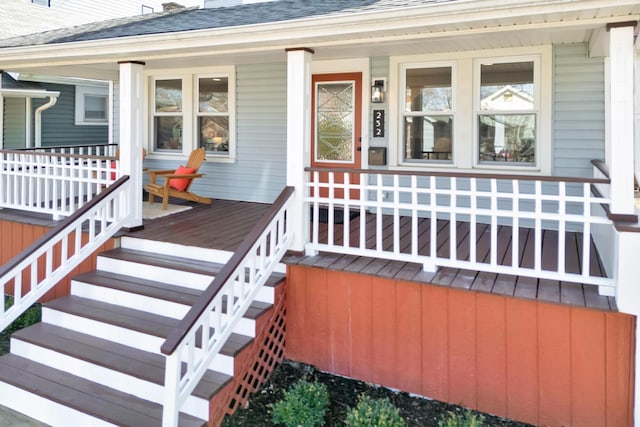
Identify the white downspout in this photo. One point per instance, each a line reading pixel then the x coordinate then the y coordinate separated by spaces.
pixel 52 101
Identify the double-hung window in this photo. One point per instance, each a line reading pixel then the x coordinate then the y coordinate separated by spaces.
pixel 168 120
pixel 474 110
pixel 428 113
pixel 507 113
pixel 190 111
pixel 213 114
pixel 92 105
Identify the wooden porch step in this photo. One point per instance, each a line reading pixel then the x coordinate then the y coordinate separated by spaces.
pixel 156 290
pixel 134 320
pixel 117 357
pixel 164 261
pixel 84 396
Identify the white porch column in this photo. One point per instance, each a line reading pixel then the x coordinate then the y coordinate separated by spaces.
pixel 298 138
pixel 1 114
pixel 131 131
pixel 620 118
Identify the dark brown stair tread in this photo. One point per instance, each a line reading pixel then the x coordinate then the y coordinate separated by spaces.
pixel 150 288
pixel 177 263
pixel 135 320
pixel 166 261
pixel 128 360
pixel 85 396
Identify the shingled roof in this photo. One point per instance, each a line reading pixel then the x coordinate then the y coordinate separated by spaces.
pixel 215 18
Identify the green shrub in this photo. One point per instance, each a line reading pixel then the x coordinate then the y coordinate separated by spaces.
pixel 304 404
pixel 468 419
pixel 374 413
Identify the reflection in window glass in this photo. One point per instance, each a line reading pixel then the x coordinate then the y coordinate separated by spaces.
pixel 428 114
pixel 429 89
pixel 428 137
pixel 507 119
pixel 169 96
pixel 95 108
pixel 214 133
pixel 213 95
pixel 168 133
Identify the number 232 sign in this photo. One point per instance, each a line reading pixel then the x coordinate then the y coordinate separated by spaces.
pixel 378 123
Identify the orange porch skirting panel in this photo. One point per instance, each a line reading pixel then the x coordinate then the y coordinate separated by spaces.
pixel 541 363
pixel 14 237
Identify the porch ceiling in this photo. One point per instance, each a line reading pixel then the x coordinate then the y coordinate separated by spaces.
pixel 450 27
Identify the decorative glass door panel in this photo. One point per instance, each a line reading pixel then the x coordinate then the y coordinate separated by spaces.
pixel 335 122
pixel 336 118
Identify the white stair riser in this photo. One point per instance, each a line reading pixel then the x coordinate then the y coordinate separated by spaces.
pixel 129 300
pixel 117 380
pixel 159 274
pixel 171 309
pixel 122 336
pixel 165 248
pixel 191 252
pixel 45 410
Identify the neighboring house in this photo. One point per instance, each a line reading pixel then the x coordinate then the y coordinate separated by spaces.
pixel 481 105
pixel 79 115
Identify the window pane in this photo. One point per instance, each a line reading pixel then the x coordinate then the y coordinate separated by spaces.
pixel 213 96
pixel 508 138
pixel 169 96
pixel 507 87
pixel 429 89
pixel 334 118
pixel 428 138
pixel 214 133
pixel 95 107
pixel 168 133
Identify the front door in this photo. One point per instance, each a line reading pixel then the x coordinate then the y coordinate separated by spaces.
pixel 337 127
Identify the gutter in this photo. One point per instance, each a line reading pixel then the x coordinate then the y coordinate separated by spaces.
pixel 53 98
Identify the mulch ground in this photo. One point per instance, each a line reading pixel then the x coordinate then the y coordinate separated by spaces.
pixel 344 394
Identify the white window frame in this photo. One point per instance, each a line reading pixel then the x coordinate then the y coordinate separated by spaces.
pixel 81 93
pixel 190 131
pixel 403 113
pixel 477 66
pixel 154 114
pixel 465 87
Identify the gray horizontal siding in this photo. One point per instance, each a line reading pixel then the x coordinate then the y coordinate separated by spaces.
pixel 58 122
pixel 259 172
pixel 14 123
pixel 578 111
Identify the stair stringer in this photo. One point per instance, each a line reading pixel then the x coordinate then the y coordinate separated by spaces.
pixel 255 363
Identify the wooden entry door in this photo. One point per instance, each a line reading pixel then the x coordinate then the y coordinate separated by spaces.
pixel 337 127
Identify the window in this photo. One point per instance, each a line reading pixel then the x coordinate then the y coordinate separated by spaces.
pixel 189 111
pixel 507 113
pixel 168 120
pixel 213 113
pixel 92 105
pixel 427 117
pixel 489 109
pixel 46 3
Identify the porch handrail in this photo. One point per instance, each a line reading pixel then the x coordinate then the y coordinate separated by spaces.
pixel 520 201
pixel 52 183
pixel 518 177
pixel 205 328
pixel 82 149
pixel 37 269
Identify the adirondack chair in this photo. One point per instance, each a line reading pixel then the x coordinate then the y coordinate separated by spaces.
pixel 177 182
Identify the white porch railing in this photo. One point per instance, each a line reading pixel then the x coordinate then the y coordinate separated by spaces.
pixel 38 268
pixel 191 348
pixel 408 209
pixel 53 183
pixel 99 150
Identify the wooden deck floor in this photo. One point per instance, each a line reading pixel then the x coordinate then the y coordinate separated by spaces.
pixel 224 224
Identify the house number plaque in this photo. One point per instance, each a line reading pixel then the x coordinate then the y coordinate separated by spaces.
pixel 378 123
